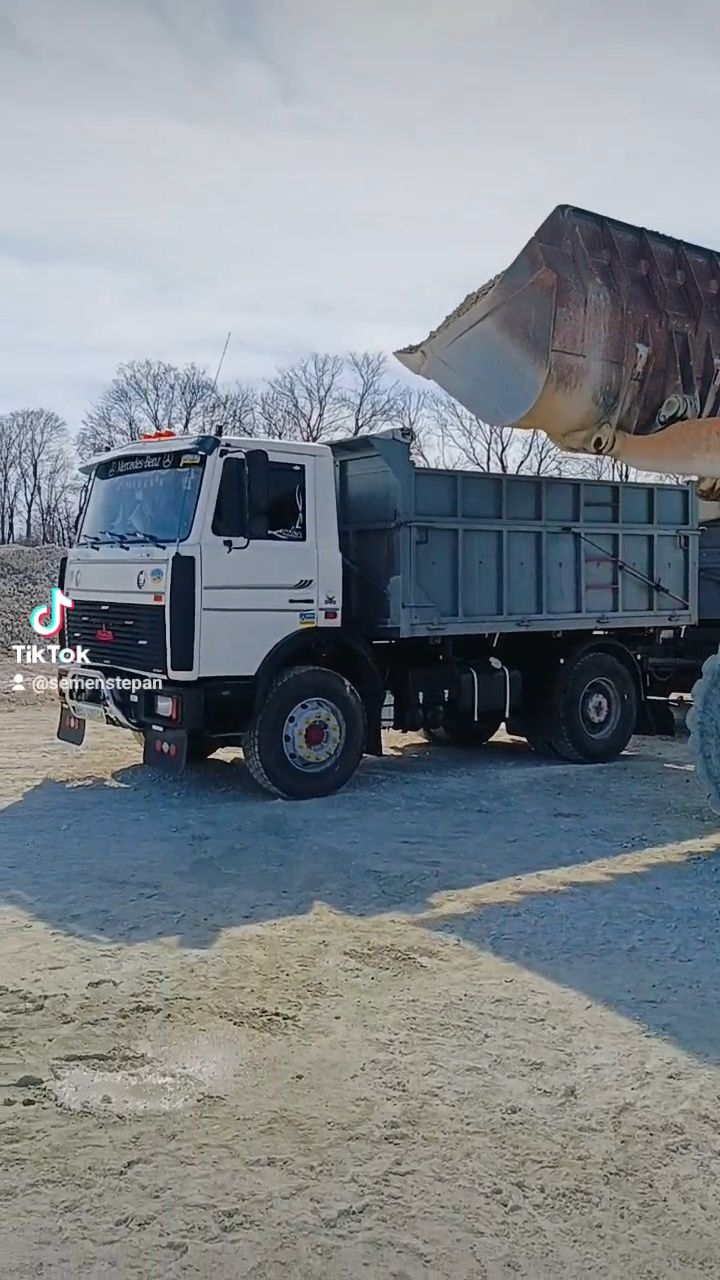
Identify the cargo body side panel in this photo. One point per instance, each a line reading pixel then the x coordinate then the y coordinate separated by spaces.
pixel 429 552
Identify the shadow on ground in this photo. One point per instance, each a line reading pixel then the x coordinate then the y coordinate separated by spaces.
pixel 138 857
pixel 645 945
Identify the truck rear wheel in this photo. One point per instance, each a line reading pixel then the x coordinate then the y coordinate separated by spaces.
pixel 308 737
pixel 467 733
pixel 589 711
pixel 536 738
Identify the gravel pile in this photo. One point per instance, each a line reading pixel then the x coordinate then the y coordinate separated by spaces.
pixel 26 576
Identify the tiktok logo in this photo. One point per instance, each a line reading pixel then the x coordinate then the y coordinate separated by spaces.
pixel 47 619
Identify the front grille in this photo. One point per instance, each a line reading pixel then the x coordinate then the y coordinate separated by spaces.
pixel 135 634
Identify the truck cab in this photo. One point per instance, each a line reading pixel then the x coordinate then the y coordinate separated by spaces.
pixel 200 567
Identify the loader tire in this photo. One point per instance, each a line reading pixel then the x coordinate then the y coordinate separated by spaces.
pixel 308 737
pixel 703 722
pixel 589 712
pixel 466 734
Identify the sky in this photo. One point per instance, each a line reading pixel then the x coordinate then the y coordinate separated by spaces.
pixel 318 174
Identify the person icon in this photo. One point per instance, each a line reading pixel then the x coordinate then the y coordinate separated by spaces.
pixel 18 682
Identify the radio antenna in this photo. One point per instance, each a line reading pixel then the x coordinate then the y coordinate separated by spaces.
pixel 220 361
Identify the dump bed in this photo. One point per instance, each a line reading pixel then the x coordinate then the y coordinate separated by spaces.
pixel 435 552
pixel 596 327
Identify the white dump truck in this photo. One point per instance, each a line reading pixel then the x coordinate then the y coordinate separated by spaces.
pixel 295 598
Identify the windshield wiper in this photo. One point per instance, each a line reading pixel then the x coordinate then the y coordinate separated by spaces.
pixel 86 539
pixel 148 537
pixel 119 538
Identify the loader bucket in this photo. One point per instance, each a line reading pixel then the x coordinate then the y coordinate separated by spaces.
pixel 596 327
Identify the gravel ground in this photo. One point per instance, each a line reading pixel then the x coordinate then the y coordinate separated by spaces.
pixel 459 1021
pixel 26 576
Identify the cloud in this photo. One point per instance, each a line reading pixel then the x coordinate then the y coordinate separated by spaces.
pixel 313 174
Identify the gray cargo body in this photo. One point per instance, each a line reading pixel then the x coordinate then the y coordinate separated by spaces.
pixel 440 552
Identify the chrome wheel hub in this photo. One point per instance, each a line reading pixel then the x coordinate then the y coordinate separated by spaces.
pixel 597 708
pixel 313 735
pixel 600 708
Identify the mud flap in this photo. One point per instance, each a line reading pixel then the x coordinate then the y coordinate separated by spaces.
pixel 70 727
pixel 166 749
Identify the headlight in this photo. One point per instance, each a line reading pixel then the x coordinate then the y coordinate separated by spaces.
pixel 166 706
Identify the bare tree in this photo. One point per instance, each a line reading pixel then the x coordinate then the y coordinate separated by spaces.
pixel 151 395
pixel 58 497
pixel 413 410
pixel 303 400
pixel 467 441
pixel 236 410
pixel 604 467
pixel 41 439
pixel 370 398
pixel 193 399
pixel 471 441
pixel 600 466
pixel 533 453
pixel 273 416
pixel 9 477
pixel 38 491
pixel 115 419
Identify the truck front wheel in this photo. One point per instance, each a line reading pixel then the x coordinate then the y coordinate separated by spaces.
pixel 308 737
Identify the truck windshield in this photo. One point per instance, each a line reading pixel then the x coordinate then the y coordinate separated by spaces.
pixel 143 497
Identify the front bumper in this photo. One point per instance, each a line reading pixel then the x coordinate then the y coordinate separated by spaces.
pixel 128 700
pixel 220 711
pixel 90 694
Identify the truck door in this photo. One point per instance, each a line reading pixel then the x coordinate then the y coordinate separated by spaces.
pixel 256 590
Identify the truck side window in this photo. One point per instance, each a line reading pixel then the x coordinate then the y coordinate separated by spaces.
pixel 286 502
pixel 229 516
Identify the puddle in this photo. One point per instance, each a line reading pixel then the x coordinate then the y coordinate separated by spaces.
pixel 124 1092
pixel 171 1080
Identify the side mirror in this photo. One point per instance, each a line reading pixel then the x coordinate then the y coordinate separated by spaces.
pixel 82 503
pixel 257 497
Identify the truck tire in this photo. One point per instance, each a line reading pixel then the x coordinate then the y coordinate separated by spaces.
pixel 590 710
pixel 535 734
pixel 468 734
pixel 308 737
